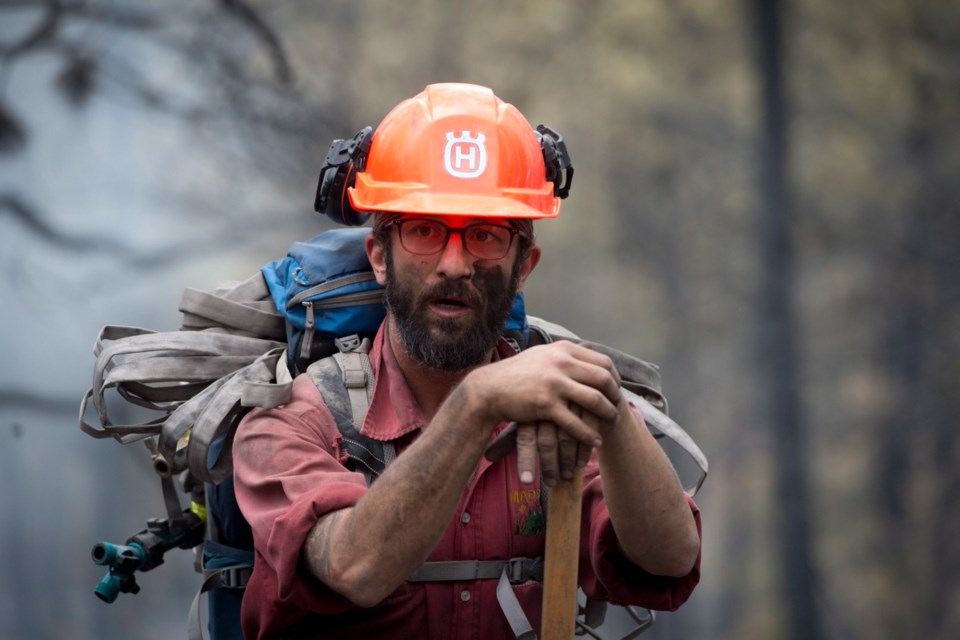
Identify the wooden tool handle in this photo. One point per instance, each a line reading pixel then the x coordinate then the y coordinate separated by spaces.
pixel 562 558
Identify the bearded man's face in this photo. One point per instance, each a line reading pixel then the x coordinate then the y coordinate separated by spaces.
pixel 451 325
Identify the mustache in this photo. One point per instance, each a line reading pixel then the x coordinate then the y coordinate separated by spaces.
pixel 453 289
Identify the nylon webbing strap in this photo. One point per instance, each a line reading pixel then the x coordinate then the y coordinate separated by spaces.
pixel 245 308
pixel 357 375
pixel 389 453
pixel 510 572
pixel 662 423
pixel 171 500
pixel 158 371
pixel 270 394
pixel 218 418
pixel 512 610
pixel 231 578
pixel 458 571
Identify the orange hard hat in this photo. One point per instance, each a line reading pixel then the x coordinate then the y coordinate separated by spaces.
pixel 457 149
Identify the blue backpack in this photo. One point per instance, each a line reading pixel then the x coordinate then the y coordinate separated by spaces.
pixel 239 347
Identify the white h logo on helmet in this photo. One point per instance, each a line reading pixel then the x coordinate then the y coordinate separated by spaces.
pixel 465 156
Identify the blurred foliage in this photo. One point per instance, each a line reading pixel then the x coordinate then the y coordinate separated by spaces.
pixel 657 250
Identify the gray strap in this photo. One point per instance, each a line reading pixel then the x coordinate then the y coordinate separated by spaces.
pixel 458 571
pixel 509 572
pixel 662 423
pixel 199 379
pixel 389 453
pixel 357 375
pixel 594 613
pixel 231 578
pixel 266 395
pixel 195 629
pixel 306 344
pixel 270 394
pixel 245 308
pixel 512 610
pixel 141 364
pixel 518 570
pixel 171 499
pixel 216 417
pixel 552 328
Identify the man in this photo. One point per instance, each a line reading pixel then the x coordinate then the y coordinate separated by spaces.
pixel 455 178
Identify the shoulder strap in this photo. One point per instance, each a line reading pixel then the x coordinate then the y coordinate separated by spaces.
pixel 345 380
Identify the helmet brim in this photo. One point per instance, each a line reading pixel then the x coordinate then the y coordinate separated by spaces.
pixel 439 204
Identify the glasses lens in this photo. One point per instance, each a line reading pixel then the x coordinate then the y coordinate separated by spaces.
pixel 484 241
pixel 422 236
pixel 487 241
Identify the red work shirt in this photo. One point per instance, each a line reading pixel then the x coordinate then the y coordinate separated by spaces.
pixel 288 472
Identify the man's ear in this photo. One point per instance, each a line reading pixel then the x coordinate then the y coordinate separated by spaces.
pixel 378 258
pixel 528 264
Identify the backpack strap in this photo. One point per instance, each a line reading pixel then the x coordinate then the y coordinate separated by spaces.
pixel 367 455
pixel 234 577
pixel 508 573
pixel 212 417
pixel 352 356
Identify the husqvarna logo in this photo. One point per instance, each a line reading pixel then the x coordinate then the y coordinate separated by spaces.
pixel 465 156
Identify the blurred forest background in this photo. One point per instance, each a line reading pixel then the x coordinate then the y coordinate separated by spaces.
pixel 765 203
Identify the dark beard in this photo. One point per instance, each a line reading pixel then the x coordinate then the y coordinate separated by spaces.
pixel 448 345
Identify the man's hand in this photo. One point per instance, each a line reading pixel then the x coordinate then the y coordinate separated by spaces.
pixel 570 391
pixel 559 454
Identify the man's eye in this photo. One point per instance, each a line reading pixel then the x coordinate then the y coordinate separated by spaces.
pixel 486 235
pixel 424 230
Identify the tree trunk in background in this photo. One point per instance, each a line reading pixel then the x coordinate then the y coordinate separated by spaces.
pixel 917 498
pixel 903 431
pixel 778 336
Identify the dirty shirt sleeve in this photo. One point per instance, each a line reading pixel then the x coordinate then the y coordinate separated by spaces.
pixel 288 474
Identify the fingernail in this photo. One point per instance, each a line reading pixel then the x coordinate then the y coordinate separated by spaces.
pixel 526 477
pixel 598 441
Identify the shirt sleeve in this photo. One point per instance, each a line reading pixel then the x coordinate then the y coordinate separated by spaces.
pixel 607 574
pixel 288 474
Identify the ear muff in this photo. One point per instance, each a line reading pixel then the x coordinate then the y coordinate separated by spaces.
pixel 556 160
pixel 344 159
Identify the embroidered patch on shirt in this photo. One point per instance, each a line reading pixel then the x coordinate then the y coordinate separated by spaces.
pixel 530 520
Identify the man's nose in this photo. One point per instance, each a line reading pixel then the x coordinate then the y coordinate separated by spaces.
pixel 454 260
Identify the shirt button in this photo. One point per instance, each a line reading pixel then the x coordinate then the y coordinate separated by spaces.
pixel 465 518
pixel 465 595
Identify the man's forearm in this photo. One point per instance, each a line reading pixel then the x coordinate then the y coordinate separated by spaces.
pixel 648 508
pixel 365 552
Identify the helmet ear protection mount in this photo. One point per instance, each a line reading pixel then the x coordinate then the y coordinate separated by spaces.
pixel 556 160
pixel 346 158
